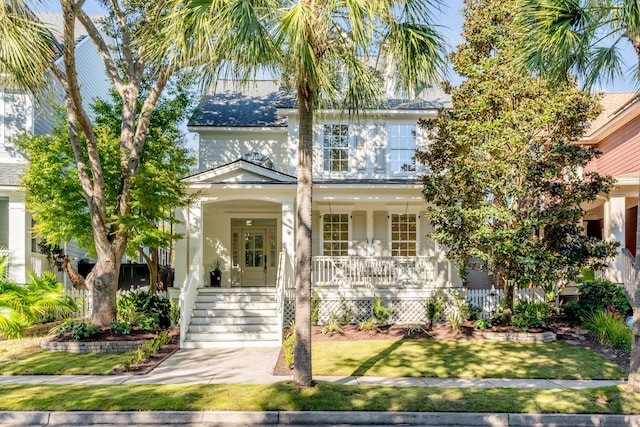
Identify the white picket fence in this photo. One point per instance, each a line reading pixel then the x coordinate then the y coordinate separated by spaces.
pixel 488 300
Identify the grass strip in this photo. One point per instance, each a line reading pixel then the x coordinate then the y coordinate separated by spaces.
pixel 286 396
pixel 460 359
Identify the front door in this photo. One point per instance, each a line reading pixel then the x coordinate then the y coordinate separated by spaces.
pixel 254 253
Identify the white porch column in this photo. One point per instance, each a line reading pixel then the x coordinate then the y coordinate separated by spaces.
pixel 288 239
pixel 370 232
pixel 19 250
pixel 616 232
pixel 186 248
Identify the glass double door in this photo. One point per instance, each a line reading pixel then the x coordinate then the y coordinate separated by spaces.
pixel 255 253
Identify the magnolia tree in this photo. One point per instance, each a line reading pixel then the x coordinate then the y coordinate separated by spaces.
pixel 506 187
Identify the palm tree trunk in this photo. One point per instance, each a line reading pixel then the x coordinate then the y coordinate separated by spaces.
pixel 302 349
pixel 634 369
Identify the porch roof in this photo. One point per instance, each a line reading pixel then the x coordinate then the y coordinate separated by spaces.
pixel 240 171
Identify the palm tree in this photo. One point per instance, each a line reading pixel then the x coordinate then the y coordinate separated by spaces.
pixel 584 37
pixel 22 306
pixel 327 52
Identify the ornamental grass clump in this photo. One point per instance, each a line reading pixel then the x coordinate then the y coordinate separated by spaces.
pixel 609 328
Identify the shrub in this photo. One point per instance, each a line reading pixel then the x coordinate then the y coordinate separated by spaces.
pixel 120 327
pixel 571 309
pixel 380 312
pixel 134 307
pixel 433 308
pixel 459 311
pixel 346 312
pixel 527 315
pixel 602 294
pixel 368 325
pixel 77 330
pixel 482 324
pixel 416 329
pixel 288 344
pixel 333 326
pixel 609 328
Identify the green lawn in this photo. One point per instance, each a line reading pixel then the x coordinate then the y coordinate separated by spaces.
pixel 25 357
pixel 460 359
pixel 325 396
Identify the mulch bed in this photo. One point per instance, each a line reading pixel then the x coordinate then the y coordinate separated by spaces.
pixel 442 331
pixel 145 365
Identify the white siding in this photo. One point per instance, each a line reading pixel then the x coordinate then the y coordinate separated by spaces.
pixel 16 117
pixel 219 148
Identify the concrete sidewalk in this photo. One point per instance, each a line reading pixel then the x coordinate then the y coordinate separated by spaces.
pixel 255 366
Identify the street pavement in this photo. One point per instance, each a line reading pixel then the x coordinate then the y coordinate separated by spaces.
pixel 255 366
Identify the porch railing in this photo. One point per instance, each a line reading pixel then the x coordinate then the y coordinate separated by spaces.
pixel 628 271
pixel 189 293
pixel 280 290
pixel 382 271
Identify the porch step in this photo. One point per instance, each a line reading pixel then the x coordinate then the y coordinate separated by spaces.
pixel 223 317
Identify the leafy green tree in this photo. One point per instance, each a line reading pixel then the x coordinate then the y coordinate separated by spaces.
pixel 22 306
pixel 54 193
pixel 29 54
pixel 325 51
pixel 506 184
pixel 584 37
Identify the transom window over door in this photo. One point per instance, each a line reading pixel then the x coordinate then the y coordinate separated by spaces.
pixel 403 234
pixel 335 235
pixel 335 148
pixel 402 145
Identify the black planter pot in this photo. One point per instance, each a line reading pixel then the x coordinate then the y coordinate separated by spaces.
pixel 216 278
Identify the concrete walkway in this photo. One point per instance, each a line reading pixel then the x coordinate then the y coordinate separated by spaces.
pixel 255 366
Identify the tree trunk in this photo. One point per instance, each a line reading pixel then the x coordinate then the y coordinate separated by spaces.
pixel 302 350
pixel 634 369
pixel 508 301
pixel 103 282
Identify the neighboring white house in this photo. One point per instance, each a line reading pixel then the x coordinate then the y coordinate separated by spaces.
pixel 22 112
pixel 369 224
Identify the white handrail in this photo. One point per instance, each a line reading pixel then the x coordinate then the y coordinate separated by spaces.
pixel 628 271
pixel 280 289
pixel 188 295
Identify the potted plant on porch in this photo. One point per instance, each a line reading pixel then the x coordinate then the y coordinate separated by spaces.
pixel 216 274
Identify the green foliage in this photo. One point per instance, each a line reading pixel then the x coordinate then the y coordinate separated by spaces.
pixel 120 327
pixel 174 312
pixel 571 309
pixel 346 312
pixel 315 306
pixel 416 329
pixel 504 163
pixel 144 309
pixel 459 310
pixel 381 312
pixel 369 325
pixel 77 330
pixel 55 196
pixel 527 315
pixel 482 324
pixel 150 347
pixel 23 306
pixel 609 328
pixel 602 294
pixel 433 308
pixel 333 326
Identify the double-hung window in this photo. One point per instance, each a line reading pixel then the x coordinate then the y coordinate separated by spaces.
pixel 335 233
pixel 402 148
pixel 404 234
pixel 335 148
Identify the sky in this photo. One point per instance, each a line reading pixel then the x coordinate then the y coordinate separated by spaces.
pixel 451 27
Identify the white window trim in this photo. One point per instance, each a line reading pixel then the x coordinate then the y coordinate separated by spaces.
pixel 350 149
pixel 349 231
pixel 418 140
pixel 418 229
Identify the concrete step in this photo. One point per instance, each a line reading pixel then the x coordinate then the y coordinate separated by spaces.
pixel 230 336
pixel 220 328
pixel 234 313
pixel 235 305
pixel 245 298
pixel 224 320
pixel 230 344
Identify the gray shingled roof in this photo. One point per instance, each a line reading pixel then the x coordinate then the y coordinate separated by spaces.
pixel 10 173
pixel 233 106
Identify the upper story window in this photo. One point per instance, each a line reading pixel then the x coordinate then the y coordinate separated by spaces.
pixel 335 148
pixel 335 235
pixel 402 148
pixel 403 235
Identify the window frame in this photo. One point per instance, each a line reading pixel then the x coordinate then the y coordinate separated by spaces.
pixel 402 239
pixel 343 251
pixel 401 148
pixel 328 151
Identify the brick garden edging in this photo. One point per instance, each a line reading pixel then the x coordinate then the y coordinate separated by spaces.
pixel 92 346
pixel 520 337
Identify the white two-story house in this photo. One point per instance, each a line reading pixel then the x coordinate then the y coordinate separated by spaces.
pixel 23 112
pixel 369 224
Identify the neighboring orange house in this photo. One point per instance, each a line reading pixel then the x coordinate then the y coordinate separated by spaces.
pixel 616 132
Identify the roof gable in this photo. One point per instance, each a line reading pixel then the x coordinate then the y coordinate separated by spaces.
pixel 240 171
